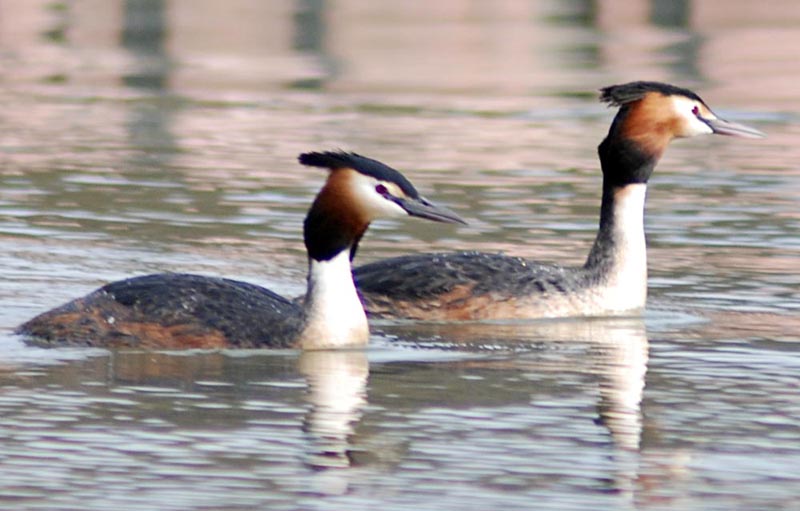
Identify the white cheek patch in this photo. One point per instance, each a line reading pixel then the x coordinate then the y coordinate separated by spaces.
pixel 690 125
pixel 698 127
pixel 368 199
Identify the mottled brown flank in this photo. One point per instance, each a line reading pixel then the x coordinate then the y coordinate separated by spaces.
pixel 154 335
pixel 100 321
pixel 651 123
pixel 459 304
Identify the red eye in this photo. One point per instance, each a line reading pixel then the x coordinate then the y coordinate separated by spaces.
pixel 696 110
pixel 381 190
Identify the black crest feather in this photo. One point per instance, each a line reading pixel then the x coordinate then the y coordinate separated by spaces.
pixel 367 166
pixel 619 95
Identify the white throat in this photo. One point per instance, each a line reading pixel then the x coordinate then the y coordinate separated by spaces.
pixel 627 280
pixel 334 314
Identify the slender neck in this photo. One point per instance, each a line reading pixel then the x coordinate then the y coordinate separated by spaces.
pixel 619 255
pixel 620 237
pixel 617 263
pixel 626 169
pixel 333 314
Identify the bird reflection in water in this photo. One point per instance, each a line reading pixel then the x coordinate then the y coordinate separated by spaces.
pixel 612 351
pixel 337 393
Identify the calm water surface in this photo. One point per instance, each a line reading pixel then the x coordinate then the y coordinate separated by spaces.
pixel 144 136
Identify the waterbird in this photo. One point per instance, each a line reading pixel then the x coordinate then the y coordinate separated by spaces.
pixel 179 310
pixel 613 280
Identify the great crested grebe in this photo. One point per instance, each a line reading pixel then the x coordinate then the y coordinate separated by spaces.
pixel 174 310
pixel 472 285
